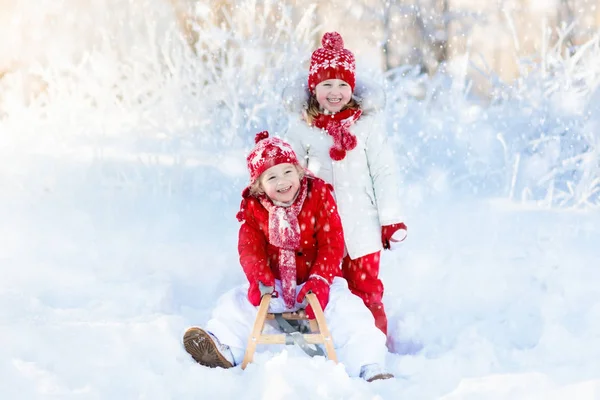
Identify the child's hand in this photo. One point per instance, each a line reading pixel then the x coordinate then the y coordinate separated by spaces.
pixel 392 234
pixel 257 290
pixel 320 288
pixel 264 289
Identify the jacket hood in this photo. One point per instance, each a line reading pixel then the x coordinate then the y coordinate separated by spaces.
pixel 369 94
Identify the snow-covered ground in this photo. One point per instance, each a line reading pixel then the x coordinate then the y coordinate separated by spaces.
pixel 486 300
pixel 121 167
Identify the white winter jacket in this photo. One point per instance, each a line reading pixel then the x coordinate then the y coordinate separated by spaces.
pixel 365 182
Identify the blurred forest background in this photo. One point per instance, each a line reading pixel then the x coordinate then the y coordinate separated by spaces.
pixel 494 35
pixel 498 97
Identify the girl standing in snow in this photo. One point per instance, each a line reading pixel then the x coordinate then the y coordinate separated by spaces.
pixel 339 134
pixel 290 243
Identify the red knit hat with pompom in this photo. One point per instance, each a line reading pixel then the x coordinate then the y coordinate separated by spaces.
pixel 268 152
pixel 332 61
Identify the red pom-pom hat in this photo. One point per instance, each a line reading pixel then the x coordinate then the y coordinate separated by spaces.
pixel 332 61
pixel 268 152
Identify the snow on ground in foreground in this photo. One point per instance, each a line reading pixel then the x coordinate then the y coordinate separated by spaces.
pixel 485 301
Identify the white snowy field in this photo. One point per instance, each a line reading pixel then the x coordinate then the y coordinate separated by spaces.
pixel 121 168
pixel 486 300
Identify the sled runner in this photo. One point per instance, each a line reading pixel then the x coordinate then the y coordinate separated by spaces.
pixel 318 327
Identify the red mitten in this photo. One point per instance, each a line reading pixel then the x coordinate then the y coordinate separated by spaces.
pixel 320 288
pixel 258 288
pixel 392 234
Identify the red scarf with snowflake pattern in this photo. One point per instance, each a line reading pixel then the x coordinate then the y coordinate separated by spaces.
pixel 337 126
pixel 284 233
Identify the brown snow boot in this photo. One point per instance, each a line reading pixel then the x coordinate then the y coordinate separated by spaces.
pixel 374 372
pixel 206 349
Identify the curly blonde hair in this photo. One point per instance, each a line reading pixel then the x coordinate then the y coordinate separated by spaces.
pixel 256 188
pixel 314 108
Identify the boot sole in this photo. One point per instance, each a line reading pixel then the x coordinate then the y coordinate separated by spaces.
pixel 203 350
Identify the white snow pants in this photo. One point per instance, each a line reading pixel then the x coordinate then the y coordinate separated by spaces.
pixel 356 340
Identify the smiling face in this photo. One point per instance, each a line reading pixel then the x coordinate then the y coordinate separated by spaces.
pixel 333 94
pixel 281 182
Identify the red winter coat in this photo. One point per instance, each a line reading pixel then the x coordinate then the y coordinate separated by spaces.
pixel 321 237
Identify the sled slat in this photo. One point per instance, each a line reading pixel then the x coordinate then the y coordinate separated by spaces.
pixel 259 323
pixel 311 338
pixel 296 316
pixel 326 338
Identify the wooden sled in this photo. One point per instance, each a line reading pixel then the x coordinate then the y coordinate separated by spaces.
pixel 320 333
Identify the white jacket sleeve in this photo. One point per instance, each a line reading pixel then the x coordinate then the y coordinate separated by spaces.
pixel 292 136
pixel 384 173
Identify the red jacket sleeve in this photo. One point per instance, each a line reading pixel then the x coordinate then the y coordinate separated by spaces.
pixel 330 236
pixel 252 248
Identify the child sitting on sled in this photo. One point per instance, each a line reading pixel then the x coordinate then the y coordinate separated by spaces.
pixel 290 243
